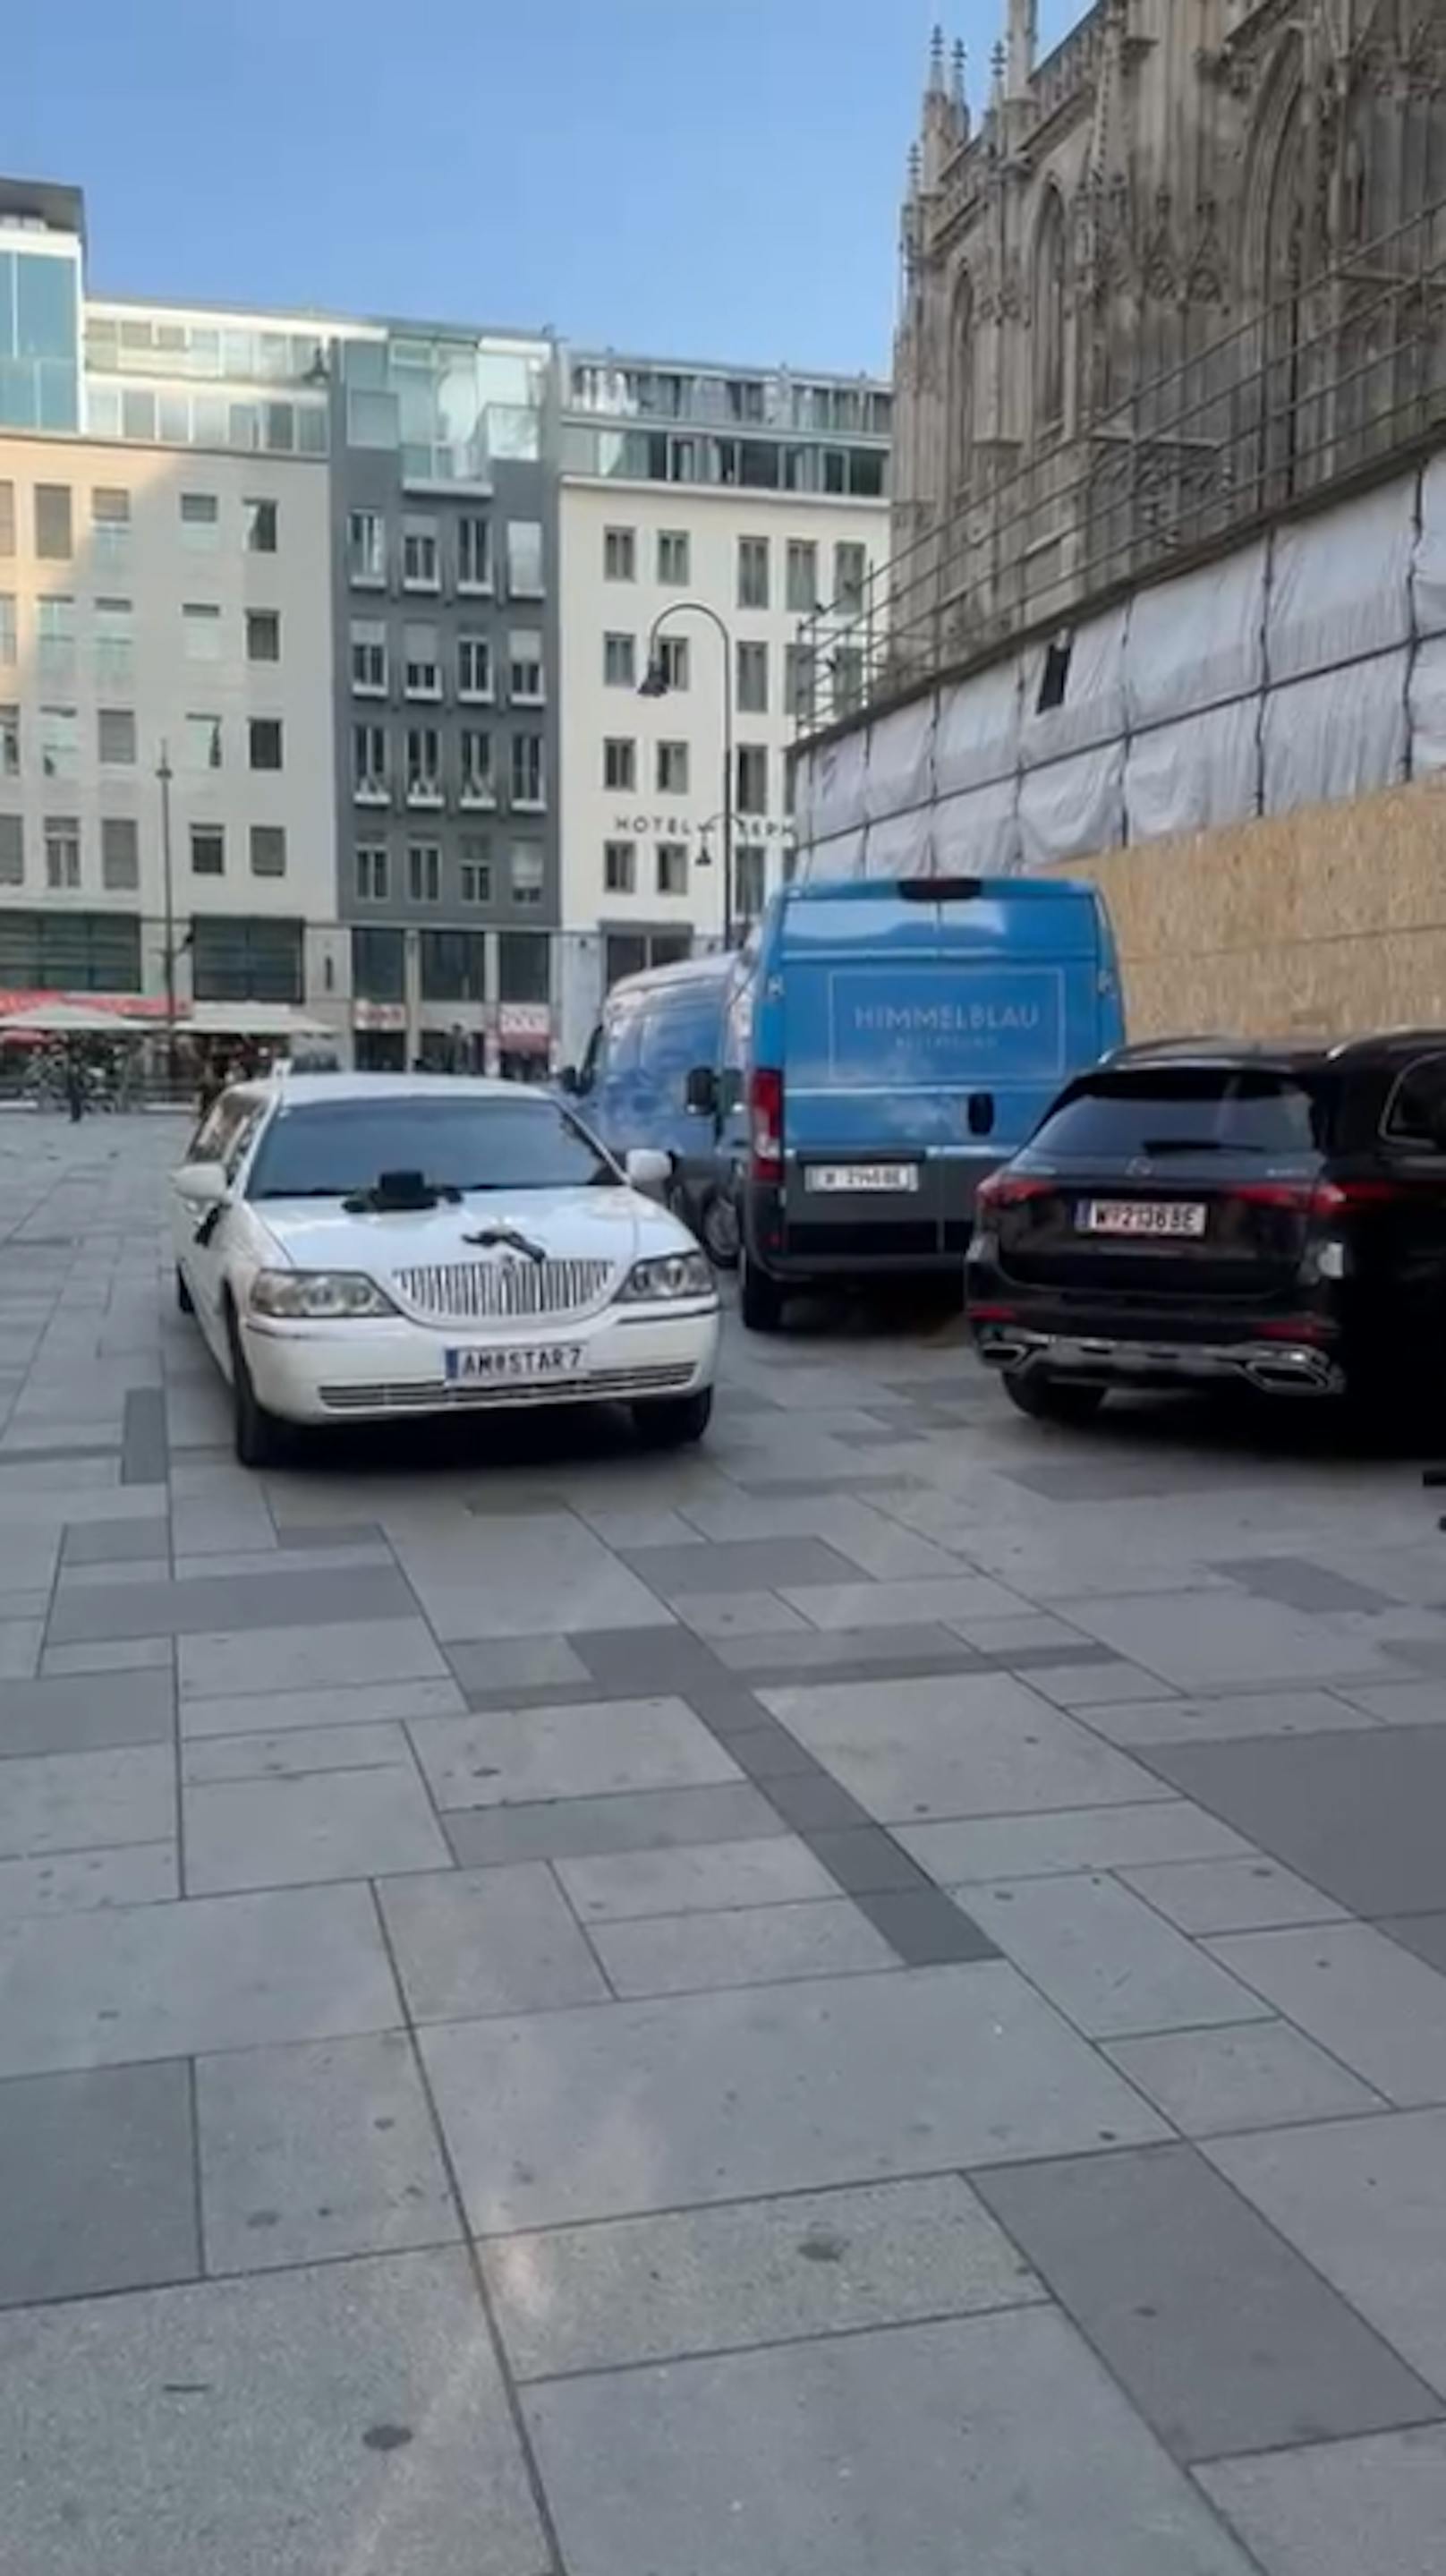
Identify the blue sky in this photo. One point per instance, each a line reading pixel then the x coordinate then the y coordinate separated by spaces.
pixel 690 177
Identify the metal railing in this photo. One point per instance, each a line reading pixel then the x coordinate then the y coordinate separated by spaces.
pixel 1322 386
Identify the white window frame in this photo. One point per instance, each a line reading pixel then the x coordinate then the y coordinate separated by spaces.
pixel 470 582
pixel 421 553
pixel 373 872
pixel 534 801
pixel 424 872
pixel 373 788
pixel 477 792
pixel 533 693
pixel 469 693
pixel 620 867
pixel 374 575
pixel 424 780
pixel 369 653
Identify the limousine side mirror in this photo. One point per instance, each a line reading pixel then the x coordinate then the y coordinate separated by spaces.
pixel 203 1186
pixel 701 1092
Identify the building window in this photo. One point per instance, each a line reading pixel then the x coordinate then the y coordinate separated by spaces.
pixel 453 965
pixel 421 668
pixel 260 518
pixel 12 850
pixel 620 661
pixel 419 554
pixel 53 540
pixel 201 742
pixel 673 666
pixel 850 572
pixel 798 682
pixel 268 850
pixel 59 743
pixel 263 635
pixel 525 655
pixel 200 522
pixel 620 867
pixel 752 786
pixel 9 636
pixel 9 742
pixel 369 656
pixel 208 850
pixel 424 872
pixel 753 679
pixel 523 964
pixel 801 577
pixel 201 632
pixel 672 769
pixel 847 665
pixel 62 853
pixel 478 782
pixel 265 739
pixel 749 881
pixel 369 762
pixel 79 952
pixel 474 667
pixel 620 554
pixel 251 959
pixel 474 553
pixel 424 765
pixel 528 780
pixel 474 871
pixel 55 630
pixel 116 737
pixel 378 961
pixel 373 874
pixel 673 565
pixel 753 572
pixel 672 860
pixel 366 546
pixel 110 526
pixel 526 876
pixel 120 854
pixel 524 558
pixel 620 761
pixel 7 518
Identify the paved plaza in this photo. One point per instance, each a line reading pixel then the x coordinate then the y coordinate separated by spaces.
pixel 866 2000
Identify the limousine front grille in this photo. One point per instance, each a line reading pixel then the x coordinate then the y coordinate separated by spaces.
pixel 498 1292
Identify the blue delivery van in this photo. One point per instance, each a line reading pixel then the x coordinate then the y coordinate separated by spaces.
pixel 905 1038
pixel 632 1086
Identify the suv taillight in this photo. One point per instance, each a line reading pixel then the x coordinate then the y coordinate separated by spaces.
pixel 765 1124
pixel 1318 1198
pixel 1009 1189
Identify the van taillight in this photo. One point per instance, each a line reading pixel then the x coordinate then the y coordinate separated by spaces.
pixel 765 1123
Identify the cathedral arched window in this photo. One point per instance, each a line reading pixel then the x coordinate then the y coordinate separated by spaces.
pixel 1048 316
pixel 961 381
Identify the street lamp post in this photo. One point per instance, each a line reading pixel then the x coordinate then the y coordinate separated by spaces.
pixel 656 685
pixel 164 774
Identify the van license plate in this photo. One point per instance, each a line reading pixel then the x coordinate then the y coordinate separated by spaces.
pixel 844 1180
pixel 1142 1216
pixel 508 1367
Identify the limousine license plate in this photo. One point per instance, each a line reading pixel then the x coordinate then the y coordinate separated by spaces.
pixel 1156 1217
pixel 845 1180
pixel 508 1367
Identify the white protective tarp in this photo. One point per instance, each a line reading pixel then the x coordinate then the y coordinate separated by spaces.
pixel 1340 583
pixel 839 857
pixel 1073 808
pixel 1428 707
pixel 1197 641
pixel 976 737
pixel 977 834
pixel 1195 775
pixel 1430 566
pixel 901 759
pixel 838 795
pixel 900 846
pixel 1340 734
pixel 805 798
pixel 1093 709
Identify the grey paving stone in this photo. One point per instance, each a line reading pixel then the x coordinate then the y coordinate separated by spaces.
pixel 148 1981
pixel 20 1644
pixel 1025 1632
pixel 241 1663
pixel 1117 1478
pixel 1358 1815
pixel 1236 1714
pixel 758 2272
pixel 850 1653
pixel 866 1860
pixel 317 2150
pixel 208 1605
pixel 1427 1654
pixel 1400 1703
pixel 522 1578
pixel 1300 1584
pixel 815 1803
pixel 1425 1934
pixel 114 1655
pixel 1337 2508
pixel 296 1828
pixel 311 1535
pixel 144 1452
pixel 293 1753
pixel 1382 2012
pixel 648 1820
pixel 978 1744
pixel 738 1614
pixel 1365 2202
pixel 908 1604
pixel 78 1713
pixel 641 1525
pixel 856 2454
pixel 1229 1895
pixel 338 1704
pixel 1106 1958
pixel 752 1946
pixel 278 2423
pixel 620 1888
pixel 1225 2340
pixel 739 1565
pixel 1044 1846
pixel 71 1882
pixel 1221 1640
pixel 498 1665
pixel 924 1926
pixel 67 1802
pixel 940 2068
pixel 767 1752
pixel 469 1942
pixel 1256 2077
pixel 97 2184
pixel 506 1756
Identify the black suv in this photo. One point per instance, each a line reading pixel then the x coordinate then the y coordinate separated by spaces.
pixel 1271 1216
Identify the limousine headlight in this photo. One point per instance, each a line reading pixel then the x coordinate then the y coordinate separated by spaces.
pixel 668 1275
pixel 318 1296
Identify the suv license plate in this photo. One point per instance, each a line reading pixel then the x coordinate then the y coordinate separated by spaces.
pixel 504 1367
pixel 841 1180
pixel 1142 1216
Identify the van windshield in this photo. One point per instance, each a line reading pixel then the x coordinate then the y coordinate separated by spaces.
pixel 1202 1111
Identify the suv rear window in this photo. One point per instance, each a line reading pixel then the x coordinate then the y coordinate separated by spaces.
pixel 1115 1117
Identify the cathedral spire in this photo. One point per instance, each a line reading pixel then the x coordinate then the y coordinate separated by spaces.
pixel 1109 152
pixel 935 87
pixel 960 81
pixel 1022 47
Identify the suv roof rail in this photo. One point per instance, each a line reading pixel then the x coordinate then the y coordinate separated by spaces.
pixel 1148 1050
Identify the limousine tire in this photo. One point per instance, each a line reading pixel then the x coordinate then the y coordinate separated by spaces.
pixel 673 1421
pixel 1053 1399
pixel 760 1299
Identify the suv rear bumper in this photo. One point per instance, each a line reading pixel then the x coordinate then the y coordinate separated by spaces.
pixel 1277 1365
